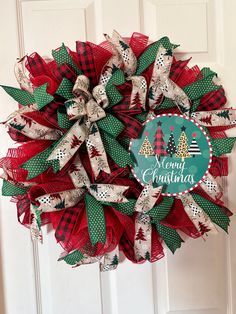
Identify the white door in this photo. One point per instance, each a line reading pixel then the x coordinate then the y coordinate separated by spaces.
pixel 201 277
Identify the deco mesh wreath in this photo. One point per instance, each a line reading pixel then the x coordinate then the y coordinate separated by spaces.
pixel 98 157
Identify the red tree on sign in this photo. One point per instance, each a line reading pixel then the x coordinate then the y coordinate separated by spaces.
pixel 159 142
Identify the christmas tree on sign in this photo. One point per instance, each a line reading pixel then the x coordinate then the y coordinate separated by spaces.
pixel 171 148
pixel 182 148
pixel 146 148
pixel 159 142
pixel 194 148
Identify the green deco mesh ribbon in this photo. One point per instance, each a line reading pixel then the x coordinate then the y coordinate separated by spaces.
pixel 96 220
pixel 214 211
pixel 40 96
pixel 73 258
pixel 9 189
pixel 169 235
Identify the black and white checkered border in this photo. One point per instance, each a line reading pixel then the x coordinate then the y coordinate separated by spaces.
pixel 210 148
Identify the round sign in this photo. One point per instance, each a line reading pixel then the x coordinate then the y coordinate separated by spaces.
pixel 173 151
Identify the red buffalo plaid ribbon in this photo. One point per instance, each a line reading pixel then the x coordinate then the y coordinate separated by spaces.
pixel 159 143
pixel 66 225
pixel 37 66
pixel 132 126
pixel 177 68
pixel 65 71
pixel 213 100
pixel 86 61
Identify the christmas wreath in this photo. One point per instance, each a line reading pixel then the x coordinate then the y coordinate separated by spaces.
pixel 97 155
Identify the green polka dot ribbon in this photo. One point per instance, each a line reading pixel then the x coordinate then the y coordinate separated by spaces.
pixel 160 211
pixel 201 87
pixel 62 56
pixel 42 98
pixel 149 55
pixel 21 96
pixel 223 146
pixel 112 93
pixel 111 125
pixel 10 189
pixel 117 152
pixel 124 208
pixel 65 89
pixel 96 220
pixel 214 211
pixel 39 96
pixel 73 258
pixel 170 236
pixel 38 164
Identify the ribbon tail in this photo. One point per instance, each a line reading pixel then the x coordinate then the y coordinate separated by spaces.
pixel 143 227
pixel 217 118
pixel 96 151
pixel 212 187
pixel 78 174
pixel 35 224
pixel 214 211
pixel 32 129
pixel 162 85
pixel 77 258
pixel 27 108
pixel 96 220
pixel 147 198
pixel 139 91
pixel 199 218
pixel 110 260
pixel 21 77
pixel 160 73
pixel 143 239
pixel 69 144
pixel 61 200
pixel 170 236
pixel 128 57
pixel 72 258
pixel 108 193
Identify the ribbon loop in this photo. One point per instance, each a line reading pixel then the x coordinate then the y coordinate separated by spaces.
pixel 99 93
pixel 94 111
pixel 81 87
pixel 124 50
pixel 139 91
pixel 161 84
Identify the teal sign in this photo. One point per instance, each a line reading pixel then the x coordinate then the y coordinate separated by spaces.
pixel 172 151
